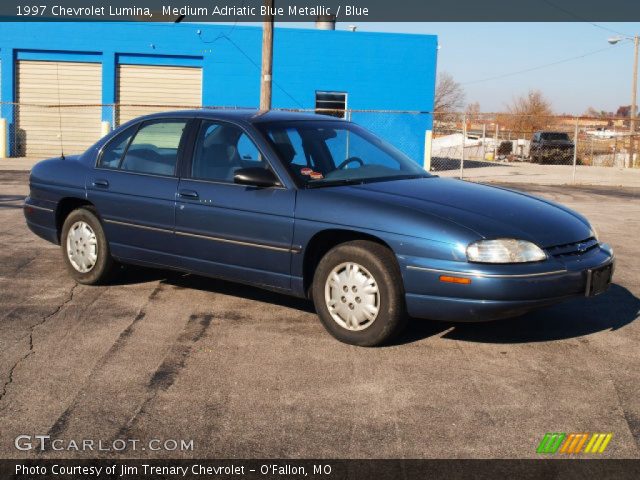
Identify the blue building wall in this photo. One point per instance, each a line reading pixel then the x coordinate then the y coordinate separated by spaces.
pixel 379 71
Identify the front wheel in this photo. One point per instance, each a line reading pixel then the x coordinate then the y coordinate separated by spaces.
pixel 85 249
pixel 358 295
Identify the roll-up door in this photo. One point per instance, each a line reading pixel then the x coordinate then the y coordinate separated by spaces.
pixel 144 89
pixel 58 107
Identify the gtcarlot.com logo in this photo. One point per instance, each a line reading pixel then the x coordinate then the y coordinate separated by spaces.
pixel 573 443
pixel 45 442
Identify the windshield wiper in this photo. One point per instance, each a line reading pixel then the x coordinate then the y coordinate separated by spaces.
pixel 361 181
pixel 333 183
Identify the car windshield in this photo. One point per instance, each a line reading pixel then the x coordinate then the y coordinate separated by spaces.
pixel 555 136
pixel 321 153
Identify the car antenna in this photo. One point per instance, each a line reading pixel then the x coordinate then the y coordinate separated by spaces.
pixel 59 113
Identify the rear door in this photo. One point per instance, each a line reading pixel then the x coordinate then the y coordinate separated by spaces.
pixel 233 231
pixel 134 187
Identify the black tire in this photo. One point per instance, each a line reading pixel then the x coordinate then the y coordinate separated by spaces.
pixel 381 264
pixel 103 266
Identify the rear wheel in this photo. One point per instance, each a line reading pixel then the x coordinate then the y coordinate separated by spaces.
pixel 85 249
pixel 358 294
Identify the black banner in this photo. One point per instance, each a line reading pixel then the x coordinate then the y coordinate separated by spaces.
pixel 320 469
pixel 310 10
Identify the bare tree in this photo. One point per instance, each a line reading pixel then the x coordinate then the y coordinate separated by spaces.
pixel 592 112
pixel 473 112
pixel 528 113
pixel 449 97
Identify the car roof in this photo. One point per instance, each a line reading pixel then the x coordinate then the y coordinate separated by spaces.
pixel 244 115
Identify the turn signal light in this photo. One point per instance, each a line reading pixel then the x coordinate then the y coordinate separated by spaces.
pixel 462 280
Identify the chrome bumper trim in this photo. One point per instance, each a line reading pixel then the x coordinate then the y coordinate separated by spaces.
pixel 486 275
pixel 294 249
pixel 29 205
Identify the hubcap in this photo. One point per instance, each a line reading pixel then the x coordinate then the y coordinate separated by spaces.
pixel 82 247
pixel 352 296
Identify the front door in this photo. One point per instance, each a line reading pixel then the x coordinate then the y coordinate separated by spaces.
pixel 238 232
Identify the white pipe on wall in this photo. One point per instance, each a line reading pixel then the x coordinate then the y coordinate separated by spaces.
pixel 105 128
pixel 428 140
pixel 3 138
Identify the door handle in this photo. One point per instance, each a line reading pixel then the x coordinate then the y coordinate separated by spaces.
pixel 188 194
pixel 101 183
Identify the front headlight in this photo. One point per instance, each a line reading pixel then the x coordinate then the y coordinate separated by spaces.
pixel 504 250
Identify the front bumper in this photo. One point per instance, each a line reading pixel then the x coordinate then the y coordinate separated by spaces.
pixel 496 291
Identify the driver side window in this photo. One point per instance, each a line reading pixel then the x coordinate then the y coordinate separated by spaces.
pixel 247 150
pixel 220 150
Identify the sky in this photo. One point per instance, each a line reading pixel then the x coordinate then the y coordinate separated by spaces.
pixel 474 53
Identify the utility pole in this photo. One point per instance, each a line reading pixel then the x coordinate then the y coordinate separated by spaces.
pixel 634 94
pixel 267 57
pixel 634 104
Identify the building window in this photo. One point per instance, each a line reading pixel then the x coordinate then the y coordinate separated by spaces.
pixel 331 103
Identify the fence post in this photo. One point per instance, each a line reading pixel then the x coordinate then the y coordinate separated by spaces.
pixel 484 141
pixel 3 138
pixel 348 146
pixel 495 144
pixel 464 136
pixel 575 151
pixel 428 139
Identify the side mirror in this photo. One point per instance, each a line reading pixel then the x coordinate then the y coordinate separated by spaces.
pixel 256 176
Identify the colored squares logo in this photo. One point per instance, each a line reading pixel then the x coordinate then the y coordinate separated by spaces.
pixel 573 443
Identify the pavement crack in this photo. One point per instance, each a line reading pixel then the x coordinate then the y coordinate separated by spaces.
pixel 32 329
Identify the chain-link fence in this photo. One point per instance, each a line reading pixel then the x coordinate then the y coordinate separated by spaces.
pixel 477 147
pixel 535 149
pixel 40 131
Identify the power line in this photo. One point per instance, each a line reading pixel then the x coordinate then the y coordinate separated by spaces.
pixel 526 70
pixel 259 67
pixel 582 19
pixel 226 37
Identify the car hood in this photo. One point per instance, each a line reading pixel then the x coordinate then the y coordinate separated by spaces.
pixel 491 212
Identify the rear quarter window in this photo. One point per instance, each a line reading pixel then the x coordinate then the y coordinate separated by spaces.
pixel 114 150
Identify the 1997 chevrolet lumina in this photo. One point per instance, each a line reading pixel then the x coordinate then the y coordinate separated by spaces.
pixel 315 207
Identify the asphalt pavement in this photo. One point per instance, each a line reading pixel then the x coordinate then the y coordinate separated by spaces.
pixel 241 373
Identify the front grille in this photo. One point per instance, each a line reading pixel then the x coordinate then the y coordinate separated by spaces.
pixel 575 248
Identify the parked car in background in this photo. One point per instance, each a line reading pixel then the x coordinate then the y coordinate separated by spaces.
pixel 315 207
pixel 551 147
pixel 605 133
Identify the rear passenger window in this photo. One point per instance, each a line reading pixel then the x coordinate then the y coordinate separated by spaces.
pixel 154 149
pixel 113 151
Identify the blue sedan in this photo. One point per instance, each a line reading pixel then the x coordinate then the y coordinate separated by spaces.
pixel 314 207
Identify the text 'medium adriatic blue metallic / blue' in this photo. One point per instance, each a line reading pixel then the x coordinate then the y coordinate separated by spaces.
pixel 312 206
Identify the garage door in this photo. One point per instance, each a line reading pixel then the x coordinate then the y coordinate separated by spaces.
pixel 144 89
pixel 58 107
